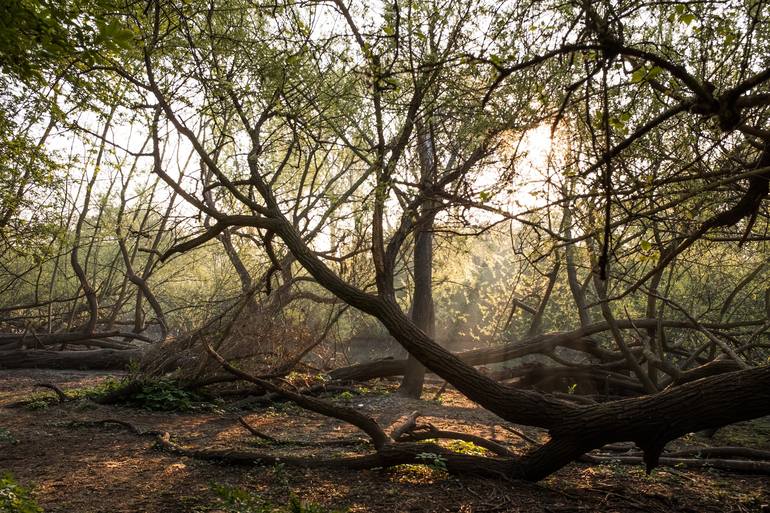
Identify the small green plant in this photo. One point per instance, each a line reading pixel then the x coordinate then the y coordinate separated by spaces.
pixel 133 368
pixel 280 475
pixel 286 408
pixel 6 437
pixel 15 498
pixel 237 500
pixel 151 394
pixel 345 396
pixel 463 447
pixel 39 401
pixel 42 400
pixel 571 388
pixel 163 395
pixel 297 506
pixel 107 386
pixel 433 460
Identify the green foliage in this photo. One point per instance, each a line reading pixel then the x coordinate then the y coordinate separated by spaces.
pixel 31 32
pixel 148 394
pixel 15 498
pixel 163 395
pixel 345 396
pixel 6 437
pixel 40 401
pixel 433 460
pixel 97 391
pixel 463 447
pixel 297 506
pixel 237 500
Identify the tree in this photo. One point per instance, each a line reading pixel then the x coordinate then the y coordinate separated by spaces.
pixel 422 108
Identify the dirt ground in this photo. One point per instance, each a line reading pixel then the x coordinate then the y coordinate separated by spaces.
pixel 84 469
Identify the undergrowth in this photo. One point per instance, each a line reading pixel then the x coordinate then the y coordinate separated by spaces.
pixel 6 437
pixel 237 500
pixel 15 498
pixel 143 393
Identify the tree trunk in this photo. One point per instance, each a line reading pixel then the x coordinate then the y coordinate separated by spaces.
pixel 423 314
pixel 101 359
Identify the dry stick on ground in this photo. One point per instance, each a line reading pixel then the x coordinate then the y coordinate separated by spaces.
pixel 270 397
pixel 440 391
pixel 63 397
pixel 521 435
pixel 251 429
pixel 128 425
pixel 405 427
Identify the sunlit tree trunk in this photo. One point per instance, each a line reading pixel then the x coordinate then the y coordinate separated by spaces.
pixel 423 314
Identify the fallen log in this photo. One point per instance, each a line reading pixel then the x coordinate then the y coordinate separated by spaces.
pixel 68 338
pixel 739 466
pixel 98 359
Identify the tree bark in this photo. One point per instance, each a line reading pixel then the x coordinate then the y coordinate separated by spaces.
pixel 423 313
pixel 101 359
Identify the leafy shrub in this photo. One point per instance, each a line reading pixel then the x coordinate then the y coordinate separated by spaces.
pixel 15 498
pixel 163 395
pixel 433 460
pixel 148 394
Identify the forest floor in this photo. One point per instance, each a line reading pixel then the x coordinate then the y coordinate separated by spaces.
pixel 77 468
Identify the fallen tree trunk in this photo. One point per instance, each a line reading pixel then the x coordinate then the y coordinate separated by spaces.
pixel 68 338
pixel 576 339
pixel 99 359
pixel 741 466
pixel 92 343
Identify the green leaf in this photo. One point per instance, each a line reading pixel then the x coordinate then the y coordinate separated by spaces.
pixel 638 75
